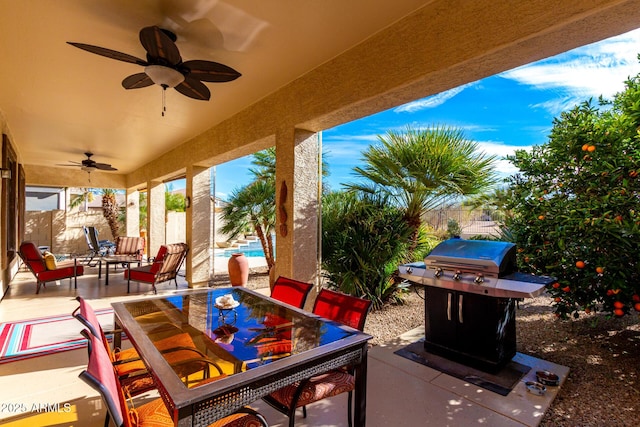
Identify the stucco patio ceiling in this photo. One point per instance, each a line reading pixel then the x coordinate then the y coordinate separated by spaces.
pixel 59 101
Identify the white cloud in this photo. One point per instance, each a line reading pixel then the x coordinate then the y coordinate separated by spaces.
pixel 588 71
pixel 502 166
pixel 432 101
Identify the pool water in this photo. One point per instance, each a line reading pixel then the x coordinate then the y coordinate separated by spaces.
pixel 252 249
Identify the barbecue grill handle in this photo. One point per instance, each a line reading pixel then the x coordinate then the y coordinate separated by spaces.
pixel 449 296
pixel 460 319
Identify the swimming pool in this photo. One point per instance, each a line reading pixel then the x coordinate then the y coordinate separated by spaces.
pixel 252 249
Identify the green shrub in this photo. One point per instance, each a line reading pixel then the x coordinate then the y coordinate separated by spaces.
pixel 364 238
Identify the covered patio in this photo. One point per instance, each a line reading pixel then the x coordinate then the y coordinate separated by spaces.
pixel 306 66
pixel 400 391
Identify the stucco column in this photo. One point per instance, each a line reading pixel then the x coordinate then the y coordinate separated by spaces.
pixel 133 213
pixel 198 227
pixel 297 164
pixel 156 220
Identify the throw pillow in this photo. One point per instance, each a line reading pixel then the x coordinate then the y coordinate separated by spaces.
pixel 50 261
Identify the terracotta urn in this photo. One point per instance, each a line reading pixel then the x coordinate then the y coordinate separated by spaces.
pixel 238 269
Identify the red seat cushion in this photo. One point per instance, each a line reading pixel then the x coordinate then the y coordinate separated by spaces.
pixel 60 273
pixel 317 388
pixel 155 413
pixel 141 274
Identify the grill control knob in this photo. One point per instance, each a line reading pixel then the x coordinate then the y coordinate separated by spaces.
pixel 456 275
pixel 438 272
pixel 479 279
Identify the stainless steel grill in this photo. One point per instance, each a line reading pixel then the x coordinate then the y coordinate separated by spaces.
pixel 470 292
pixel 475 266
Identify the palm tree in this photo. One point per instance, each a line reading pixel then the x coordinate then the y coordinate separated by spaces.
pixel 420 169
pixel 253 207
pixel 83 198
pixel 110 210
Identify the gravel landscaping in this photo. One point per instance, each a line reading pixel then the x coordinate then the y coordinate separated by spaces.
pixel 603 355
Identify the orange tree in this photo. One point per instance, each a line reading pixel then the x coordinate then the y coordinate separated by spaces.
pixel 575 207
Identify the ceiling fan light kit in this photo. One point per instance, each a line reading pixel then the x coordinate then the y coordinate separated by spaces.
pixel 164 66
pixel 164 76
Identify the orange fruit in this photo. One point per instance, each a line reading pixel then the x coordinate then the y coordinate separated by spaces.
pixel 609 292
pixel 557 299
pixel 636 298
pixel 633 174
pixel 618 218
pixel 556 285
pixel 591 148
pixel 580 264
pixel 618 312
pixel 541 217
pixel 585 147
pixel 599 270
pixel 636 306
pixel 618 304
pixel 566 289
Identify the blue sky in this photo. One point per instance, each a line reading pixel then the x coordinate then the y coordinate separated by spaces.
pixel 512 110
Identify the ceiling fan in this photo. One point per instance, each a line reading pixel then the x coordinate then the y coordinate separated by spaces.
pixel 89 165
pixel 164 65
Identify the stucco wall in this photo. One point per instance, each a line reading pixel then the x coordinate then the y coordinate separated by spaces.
pixel 63 232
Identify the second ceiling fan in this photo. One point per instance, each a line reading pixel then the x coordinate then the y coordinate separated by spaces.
pixel 164 65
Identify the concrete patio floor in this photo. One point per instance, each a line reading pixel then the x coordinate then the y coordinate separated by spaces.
pixel 400 392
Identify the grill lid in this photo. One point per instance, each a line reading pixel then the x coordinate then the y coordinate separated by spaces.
pixel 474 256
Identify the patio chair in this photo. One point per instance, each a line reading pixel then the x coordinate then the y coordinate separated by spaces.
pixel 179 349
pixel 290 291
pixel 165 266
pixel 96 246
pixel 101 377
pixel 348 310
pixel 133 246
pixel 48 270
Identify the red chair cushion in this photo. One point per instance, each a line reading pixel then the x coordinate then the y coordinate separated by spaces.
pixel 32 256
pixel 317 388
pixel 290 291
pixel 346 309
pixel 157 262
pixel 140 274
pixel 60 273
pixel 155 414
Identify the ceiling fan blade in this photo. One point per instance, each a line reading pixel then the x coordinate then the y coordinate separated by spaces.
pixel 159 46
pixel 194 89
pixel 210 71
pixel 113 54
pixel 136 81
pixel 104 167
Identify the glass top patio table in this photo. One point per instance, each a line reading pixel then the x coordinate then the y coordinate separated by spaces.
pixel 258 345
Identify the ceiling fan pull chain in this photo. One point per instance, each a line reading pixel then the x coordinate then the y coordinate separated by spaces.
pixel 164 106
